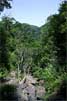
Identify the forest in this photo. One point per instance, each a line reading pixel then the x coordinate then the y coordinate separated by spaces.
pixel 36 51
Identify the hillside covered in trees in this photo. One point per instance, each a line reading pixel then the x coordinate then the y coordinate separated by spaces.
pixel 39 51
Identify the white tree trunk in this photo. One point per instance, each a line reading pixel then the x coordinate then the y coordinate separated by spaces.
pixel 18 73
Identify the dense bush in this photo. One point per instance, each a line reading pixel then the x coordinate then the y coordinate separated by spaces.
pixel 7 92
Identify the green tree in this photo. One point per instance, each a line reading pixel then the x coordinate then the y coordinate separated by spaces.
pixel 5 28
pixel 59 26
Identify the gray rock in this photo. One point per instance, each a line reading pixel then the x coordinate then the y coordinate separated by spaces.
pixel 40 91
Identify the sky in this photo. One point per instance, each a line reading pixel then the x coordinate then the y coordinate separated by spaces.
pixel 34 12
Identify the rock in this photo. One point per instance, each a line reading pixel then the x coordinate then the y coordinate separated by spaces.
pixel 40 91
pixel 12 73
pixel 41 82
pixel 12 81
pixel 28 91
pixel 31 90
pixel 22 94
pixel 30 79
pixel 26 88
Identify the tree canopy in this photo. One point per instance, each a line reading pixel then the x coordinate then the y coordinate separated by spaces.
pixel 4 4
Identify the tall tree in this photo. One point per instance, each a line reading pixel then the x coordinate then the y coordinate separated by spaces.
pixel 54 39
pixel 58 25
pixel 4 38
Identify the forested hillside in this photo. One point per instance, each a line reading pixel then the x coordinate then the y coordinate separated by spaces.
pixel 39 51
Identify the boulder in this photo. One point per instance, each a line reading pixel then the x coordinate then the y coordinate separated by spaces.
pixel 29 91
pixel 40 91
pixel 30 80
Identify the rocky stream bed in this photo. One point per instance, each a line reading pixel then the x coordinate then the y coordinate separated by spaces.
pixel 26 90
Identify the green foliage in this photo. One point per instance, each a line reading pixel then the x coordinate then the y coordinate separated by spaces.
pixel 8 92
pixel 3 72
pixel 39 51
pixel 4 61
pixel 52 80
